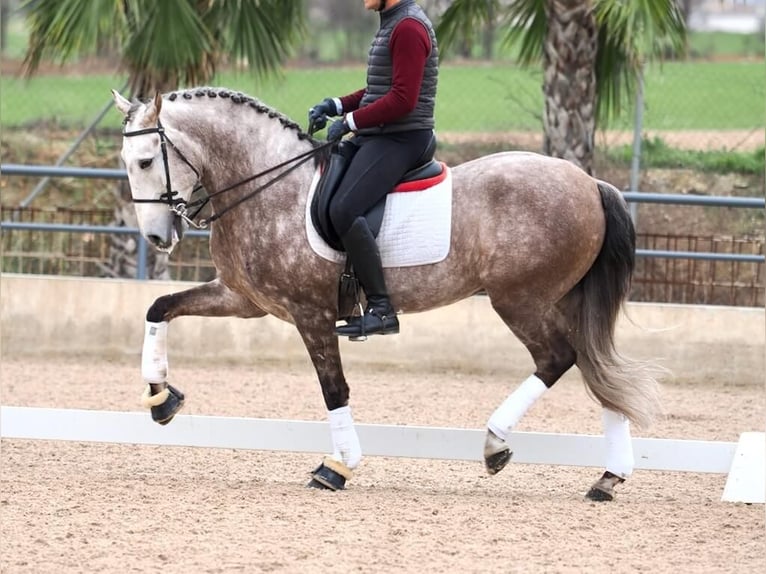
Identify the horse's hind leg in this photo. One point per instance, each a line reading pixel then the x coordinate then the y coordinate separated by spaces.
pixel 213 299
pixel 619 456
pixel 544 336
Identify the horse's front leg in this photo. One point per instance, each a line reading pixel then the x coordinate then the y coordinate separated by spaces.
pixel 318 333
pixel 213 299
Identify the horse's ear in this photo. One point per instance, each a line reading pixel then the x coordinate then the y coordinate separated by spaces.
pixel 121 103
pixel 154 109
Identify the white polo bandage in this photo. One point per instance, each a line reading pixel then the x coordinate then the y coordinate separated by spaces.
pixel 619 446
pixel 345 442
pixel 154 355
pixel 508 414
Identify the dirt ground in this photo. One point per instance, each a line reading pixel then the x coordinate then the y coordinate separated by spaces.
pixel 72 507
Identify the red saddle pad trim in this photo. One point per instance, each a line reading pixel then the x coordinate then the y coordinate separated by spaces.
pixel 421 184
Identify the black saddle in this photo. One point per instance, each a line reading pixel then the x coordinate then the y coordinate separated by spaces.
pixel 332 173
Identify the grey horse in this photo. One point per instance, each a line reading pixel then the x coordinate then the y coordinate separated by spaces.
pixel 552 247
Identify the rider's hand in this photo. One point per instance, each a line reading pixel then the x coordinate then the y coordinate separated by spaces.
pixel 318 114
pixel 337 130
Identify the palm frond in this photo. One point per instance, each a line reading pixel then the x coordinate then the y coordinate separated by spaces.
pixel 462 19
pixel 171 43
pixel 526 24
pixel 61 29
pixel 631 33
pixel 261 34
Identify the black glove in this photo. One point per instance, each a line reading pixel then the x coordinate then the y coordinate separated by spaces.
pixel 318 114
pixel 337 130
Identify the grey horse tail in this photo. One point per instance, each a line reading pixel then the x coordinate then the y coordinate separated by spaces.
pixel 620 384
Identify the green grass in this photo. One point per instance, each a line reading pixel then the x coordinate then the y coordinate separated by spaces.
pixel 725 45
pixel 471 98
pixel 16 40
pixel 476 98
pixel 705 95
pixel 655 153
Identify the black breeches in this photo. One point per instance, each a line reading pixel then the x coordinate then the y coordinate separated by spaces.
pixel 375 169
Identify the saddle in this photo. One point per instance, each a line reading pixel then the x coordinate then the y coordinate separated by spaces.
pixel 332 173
pixel 334 170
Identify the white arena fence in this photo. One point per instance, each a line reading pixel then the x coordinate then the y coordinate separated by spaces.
pixel 743 462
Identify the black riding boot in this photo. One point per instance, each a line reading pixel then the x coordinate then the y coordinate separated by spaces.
pixel 380 317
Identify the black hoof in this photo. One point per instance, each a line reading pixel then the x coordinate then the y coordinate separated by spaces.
pixel 603 489
pixel 314 483
pixel 598 495
pixel 330 475
pixel 165 404
pixel 496 462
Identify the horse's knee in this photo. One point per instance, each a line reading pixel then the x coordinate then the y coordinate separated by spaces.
pixel 159 309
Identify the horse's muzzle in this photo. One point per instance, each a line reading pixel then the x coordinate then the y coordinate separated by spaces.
pixel 167 241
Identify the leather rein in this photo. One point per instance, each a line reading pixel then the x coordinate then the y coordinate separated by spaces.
pixel 182 209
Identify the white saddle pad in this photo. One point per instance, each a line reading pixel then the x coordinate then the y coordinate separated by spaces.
pixel 416 226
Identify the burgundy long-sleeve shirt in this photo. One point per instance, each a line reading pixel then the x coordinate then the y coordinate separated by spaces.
pixel 409 47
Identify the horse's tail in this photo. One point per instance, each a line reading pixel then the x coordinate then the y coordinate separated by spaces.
pixel 618 383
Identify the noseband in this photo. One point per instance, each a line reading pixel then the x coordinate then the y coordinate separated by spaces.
pixel 181 208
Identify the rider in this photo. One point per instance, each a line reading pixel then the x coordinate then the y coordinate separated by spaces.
pixel 392 120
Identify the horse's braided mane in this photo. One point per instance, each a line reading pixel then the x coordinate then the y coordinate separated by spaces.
pixel 240 98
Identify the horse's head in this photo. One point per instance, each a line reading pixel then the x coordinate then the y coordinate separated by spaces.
pixel 161 178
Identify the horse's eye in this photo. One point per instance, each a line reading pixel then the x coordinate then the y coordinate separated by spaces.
pixel 145 163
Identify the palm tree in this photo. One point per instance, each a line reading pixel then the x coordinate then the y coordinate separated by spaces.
pixel 163 44
pixel 592 52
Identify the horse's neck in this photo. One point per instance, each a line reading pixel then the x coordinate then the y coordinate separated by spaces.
pixel 238 143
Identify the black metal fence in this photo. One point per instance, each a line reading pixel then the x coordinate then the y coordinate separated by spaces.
pixel 670 268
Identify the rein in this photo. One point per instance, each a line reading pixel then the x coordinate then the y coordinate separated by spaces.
pixel 181 207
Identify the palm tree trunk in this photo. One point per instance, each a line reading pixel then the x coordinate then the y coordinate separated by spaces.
pixel 569 84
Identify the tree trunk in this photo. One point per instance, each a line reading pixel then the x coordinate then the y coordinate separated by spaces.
pixel 489 34
pixel 569 83
pixel 5 11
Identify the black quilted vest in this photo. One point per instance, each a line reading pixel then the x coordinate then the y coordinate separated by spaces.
pixel 380 73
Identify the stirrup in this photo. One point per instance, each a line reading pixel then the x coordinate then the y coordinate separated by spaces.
pixel 356 329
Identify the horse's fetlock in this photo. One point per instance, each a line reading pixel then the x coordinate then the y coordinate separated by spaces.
pixel 156 388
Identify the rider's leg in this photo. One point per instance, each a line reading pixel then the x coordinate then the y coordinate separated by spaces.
pixel 379 317
pixel 377 166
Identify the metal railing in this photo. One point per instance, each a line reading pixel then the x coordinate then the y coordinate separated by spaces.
pixel 142 246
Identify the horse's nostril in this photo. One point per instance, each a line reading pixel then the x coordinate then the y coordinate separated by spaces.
pixel 155 240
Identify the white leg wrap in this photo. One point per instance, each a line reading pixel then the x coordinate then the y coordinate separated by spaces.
pixel 345 442
pixel 619 447
pixel 508 414
pixel 154 355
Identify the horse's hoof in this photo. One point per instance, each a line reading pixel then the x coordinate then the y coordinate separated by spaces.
pixel 603 489
pixel 314 483
pixel 496 453
pixel 163 405
pixel 330 475
pixel 496 462
pixel 598 495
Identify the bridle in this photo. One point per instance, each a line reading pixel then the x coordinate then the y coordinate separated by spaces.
pixel 182 209
pixel 176 204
